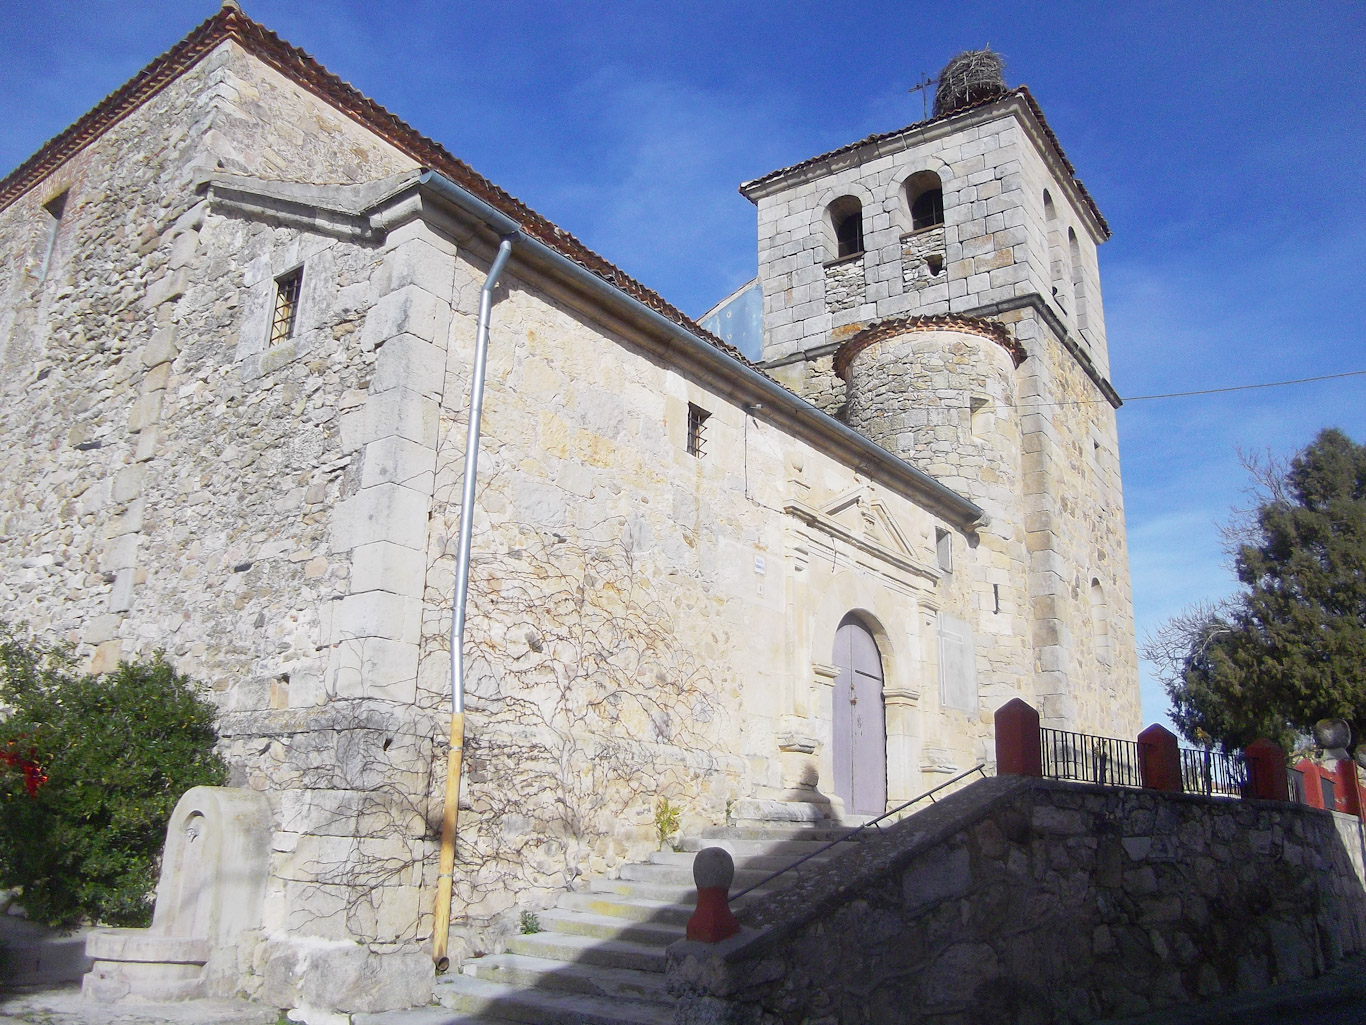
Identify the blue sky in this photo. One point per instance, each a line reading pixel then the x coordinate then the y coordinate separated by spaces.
pixel 1224 143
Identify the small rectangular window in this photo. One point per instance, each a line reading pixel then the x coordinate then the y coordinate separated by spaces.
pixel 286 306
pixel 697 430
pixel 55 207
pixel 943 546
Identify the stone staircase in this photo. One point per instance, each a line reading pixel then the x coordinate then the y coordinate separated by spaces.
pixel 599 957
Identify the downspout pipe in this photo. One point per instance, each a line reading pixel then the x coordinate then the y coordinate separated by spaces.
pixel 451 809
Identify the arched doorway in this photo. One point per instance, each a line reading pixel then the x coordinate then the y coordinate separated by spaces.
pixel 859 730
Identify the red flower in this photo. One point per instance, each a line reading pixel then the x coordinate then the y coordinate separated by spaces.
pixel 34 776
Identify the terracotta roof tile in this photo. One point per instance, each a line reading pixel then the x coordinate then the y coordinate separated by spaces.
pixel 297 65
pixel 890 328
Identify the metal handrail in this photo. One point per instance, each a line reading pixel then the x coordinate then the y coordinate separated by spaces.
pixel 981 768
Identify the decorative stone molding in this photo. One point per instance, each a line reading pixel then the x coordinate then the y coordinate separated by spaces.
pixel 998 333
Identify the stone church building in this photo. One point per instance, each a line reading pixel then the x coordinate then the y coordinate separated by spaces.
pixel 237 312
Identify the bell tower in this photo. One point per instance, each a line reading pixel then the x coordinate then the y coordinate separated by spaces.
pixel 937 288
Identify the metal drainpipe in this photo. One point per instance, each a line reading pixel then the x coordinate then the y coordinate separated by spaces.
pixel 451 809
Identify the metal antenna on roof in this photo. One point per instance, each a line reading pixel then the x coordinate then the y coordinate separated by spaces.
pixel 922 87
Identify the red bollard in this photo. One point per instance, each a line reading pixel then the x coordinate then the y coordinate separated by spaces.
pixel 712 871
pixel 1313 782
pixel 1159 759
pixel 1349 795
pixel 1266 771
pixel 1017 740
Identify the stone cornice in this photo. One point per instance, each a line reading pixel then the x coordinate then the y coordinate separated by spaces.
pixel 1034 301
pixel 1018 102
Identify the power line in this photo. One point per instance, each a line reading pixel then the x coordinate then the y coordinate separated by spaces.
pixel 1203 391
pixel 1245 387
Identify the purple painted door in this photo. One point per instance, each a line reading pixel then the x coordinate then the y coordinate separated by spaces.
pixel 859 748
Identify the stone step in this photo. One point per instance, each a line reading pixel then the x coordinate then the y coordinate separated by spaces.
pixel 770 814
pixel 672 893
pixel 610 927
pixel 742 848
pixel 681 875
pixel 588 950
pixel 432 1014
pixel 469 995
pixel 528 972
pixel 753 862
pixel 776 832
pixel 615 905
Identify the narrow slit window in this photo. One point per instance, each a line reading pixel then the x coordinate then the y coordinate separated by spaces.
pixel 55 208
pixel 979 410
pixel 286 306
pixel 697 430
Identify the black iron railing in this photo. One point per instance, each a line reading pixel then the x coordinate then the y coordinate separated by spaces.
pixel 1087 759
pixel 856 830
pixel 1212 773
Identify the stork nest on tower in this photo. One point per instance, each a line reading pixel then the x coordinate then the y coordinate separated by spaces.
pixel 971 77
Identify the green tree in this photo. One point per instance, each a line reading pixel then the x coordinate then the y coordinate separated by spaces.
pixel 1290 647
pixel 94 766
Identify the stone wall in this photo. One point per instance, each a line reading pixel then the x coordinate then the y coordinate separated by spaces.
pixel 1082 633
pixel 1023 901
pixel 845 286
pixel 176 484
pixel 922 258
pixel 281 519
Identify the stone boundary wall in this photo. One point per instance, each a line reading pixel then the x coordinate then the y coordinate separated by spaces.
pixel 1019 900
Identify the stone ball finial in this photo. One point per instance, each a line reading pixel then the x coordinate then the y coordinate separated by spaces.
pixel 1333 734
pixel 713 867
pixel 971 77
pixel 231 5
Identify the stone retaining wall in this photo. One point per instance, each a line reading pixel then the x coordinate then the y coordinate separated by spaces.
pixel 1021 900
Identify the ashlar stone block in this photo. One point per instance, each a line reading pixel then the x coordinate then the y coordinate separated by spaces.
pixel 383 566
pixel 402 412
pixel 396 460
pixel 378 614
pixel 416 262
pixel 385 512
pixel 410 310
pixel 412 363
pixel 374 667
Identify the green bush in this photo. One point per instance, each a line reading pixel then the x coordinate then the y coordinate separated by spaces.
pixel 90 769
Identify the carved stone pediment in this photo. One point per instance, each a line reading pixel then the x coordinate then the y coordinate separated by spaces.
pixel 859 518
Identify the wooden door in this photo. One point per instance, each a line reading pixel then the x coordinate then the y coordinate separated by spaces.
pixel 859 743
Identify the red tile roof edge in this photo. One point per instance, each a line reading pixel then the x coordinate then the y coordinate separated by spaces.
pixel 298 66
pixel 1022 91
pixel 873 333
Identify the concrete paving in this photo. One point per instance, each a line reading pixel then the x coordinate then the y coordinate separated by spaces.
pixel 64 1006
pixel 1338 998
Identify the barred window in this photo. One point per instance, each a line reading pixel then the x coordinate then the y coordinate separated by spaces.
pixel 697 430
pixel 286 305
